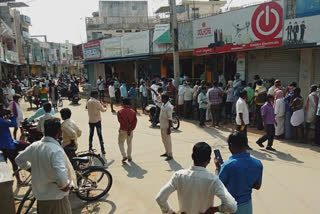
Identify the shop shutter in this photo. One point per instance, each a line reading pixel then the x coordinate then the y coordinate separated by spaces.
pixel 280 64
pixel 316 60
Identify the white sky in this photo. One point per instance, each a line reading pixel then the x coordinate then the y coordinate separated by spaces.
pixel 63 20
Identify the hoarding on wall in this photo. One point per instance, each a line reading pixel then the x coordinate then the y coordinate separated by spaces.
pixel 77 52
pixel 185 36
pixel 241 65
pixel 111 48
pixel 302 32
pixel 91 50
pixel 307 8
pixel 135 44
pixel 162 34
pixel 254 27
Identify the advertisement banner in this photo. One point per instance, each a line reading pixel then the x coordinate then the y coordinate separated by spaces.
pixel 241 65
pixel 77 51
pixel 302 32
pixel 307 8
pixel 135 44
pixel 254 27
pixel 91 50
pixel 111 48
pixel 162 34
pixel 185 36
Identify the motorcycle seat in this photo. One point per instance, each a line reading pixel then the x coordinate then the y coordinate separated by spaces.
pixel 81 159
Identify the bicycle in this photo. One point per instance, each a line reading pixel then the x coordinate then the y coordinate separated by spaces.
pixel 88 181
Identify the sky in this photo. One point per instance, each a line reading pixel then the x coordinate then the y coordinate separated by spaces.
pixel 63 20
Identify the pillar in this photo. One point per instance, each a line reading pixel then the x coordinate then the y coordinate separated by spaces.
pixel 136 73
pixel 306 71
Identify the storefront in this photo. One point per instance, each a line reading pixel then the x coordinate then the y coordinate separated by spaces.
pixel 316 64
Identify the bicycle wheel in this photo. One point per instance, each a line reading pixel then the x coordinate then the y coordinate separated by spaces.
pixel 94 183
pixel 26 205
pixel 94 160
pixel 175 122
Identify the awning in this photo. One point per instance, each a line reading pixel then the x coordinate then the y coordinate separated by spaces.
pixel 9 62
pixel 115 60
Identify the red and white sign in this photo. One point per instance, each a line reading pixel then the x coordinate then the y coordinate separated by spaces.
pixel 254 27
pixel 91 50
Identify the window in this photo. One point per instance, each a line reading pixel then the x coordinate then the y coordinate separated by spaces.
pixel 137 30
pixel 128 31
pixel 134 7
pixel 118 31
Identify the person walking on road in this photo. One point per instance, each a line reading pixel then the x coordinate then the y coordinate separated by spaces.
pixel 128 121
pixel 187 101
pixel 197 187
pixel 70 131
pixel 133 96
pixel 268 116
pixel 260 99
pixel 203 103
pixel 47 108
pixel 165 126
pixel 242 118
pixel 52 173
pixel 112 94
pixel 123 91
pixel 100 86
pixel 279 111
pixel 94 109
pixel 214 96
pixel 241 173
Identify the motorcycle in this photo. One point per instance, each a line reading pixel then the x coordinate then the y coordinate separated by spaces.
pixel 63 89
pixel 31 134
pixel 74 99
pixel 151 110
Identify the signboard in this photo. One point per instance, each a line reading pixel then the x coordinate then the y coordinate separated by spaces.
pixel 241 65
pixel 307 8
pixel 91 50
pixel 162 34
pixel 77 52
pixel 302 32
pixel 111 48
pixel 254 27
pixel 135 44
pixel 185 36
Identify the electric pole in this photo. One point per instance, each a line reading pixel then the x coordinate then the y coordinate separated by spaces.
pixel 175 42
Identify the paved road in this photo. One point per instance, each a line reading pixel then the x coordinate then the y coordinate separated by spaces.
pixel 290 181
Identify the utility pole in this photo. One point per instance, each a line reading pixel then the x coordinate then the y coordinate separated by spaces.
pixel 175 42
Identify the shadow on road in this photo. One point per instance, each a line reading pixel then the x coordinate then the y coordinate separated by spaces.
pixel 174 165
pixel 81 207
pixel 269 156
pixel 134 170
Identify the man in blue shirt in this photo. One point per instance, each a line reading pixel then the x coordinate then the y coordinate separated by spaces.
pixel 123 91
pixel 241 173
pixel 133 96
pixel 40 112
pixel 8 146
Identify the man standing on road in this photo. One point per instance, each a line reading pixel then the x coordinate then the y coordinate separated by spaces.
pixel 197 187
pixel 187 100
pixel 171 90
pixel 70 131
pixel 47 108
pixel 242 118
pixel 165 126
pixel 128 121
pixel 317 129
pixel 123 91
pixel 260 99
pixel 112 94
pixel 94 109
pixel 268 116
pixel 241 173
pixel 100 86
pixel 214 96
pixel 143 95
pixel 133 96
pixel 51 170
pixel 203 103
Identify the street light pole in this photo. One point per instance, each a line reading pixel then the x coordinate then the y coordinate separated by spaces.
pixel 175 41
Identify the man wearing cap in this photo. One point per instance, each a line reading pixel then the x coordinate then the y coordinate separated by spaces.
pixel 197 187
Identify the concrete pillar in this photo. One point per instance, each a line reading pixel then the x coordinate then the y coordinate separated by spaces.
pixel 306 71
pixel 136 74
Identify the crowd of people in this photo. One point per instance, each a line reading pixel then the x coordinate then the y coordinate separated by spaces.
pixel 280 111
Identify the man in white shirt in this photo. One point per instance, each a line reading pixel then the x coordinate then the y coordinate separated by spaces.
pixel 165 126
pixel 187 100
pixel 155 88
pixel 51 170
pixel 94 109
pixel 143 95
pixel 47 108
pixel 242 118
pixel 100 86
pixel 197 187
pixel 70 131
pixel 112 94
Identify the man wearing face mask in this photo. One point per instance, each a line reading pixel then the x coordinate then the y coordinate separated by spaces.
pixel 269 121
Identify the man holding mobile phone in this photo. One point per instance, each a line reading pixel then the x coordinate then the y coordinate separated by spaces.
pixel 241 173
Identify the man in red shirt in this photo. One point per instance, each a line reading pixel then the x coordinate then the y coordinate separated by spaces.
pixel 128 121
